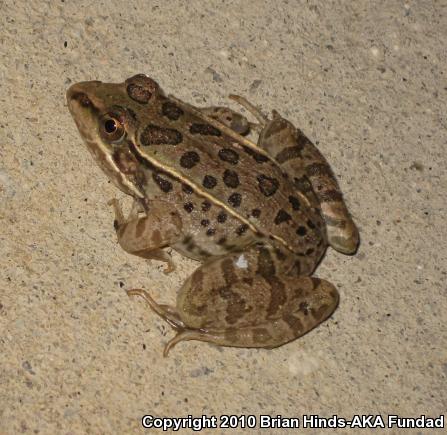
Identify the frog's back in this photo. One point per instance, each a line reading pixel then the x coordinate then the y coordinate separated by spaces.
pixel 244 182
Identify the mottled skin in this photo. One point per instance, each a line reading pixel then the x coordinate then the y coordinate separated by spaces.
pixel 312 175
pixel 214 196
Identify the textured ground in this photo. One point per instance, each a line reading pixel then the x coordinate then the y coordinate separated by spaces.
pixel 365 80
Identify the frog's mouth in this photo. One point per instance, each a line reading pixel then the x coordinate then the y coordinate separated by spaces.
pixel 86 112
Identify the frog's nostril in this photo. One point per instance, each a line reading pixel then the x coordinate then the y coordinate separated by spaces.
pixel 82 98
pixel 75 94
pixel 80 91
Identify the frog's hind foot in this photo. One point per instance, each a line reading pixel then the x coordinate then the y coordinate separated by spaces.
pixel 255 111
pixel 192 334
pixel 166 312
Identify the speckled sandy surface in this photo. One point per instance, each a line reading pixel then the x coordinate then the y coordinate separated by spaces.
pixel 365 80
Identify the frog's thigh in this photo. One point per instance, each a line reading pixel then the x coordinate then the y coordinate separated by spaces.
pixel 147 235
pixel 231 301
pixel 313 176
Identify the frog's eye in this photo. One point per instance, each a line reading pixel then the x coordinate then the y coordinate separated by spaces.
pixel 111 128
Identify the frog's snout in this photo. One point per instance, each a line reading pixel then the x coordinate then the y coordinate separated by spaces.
pixel 79 94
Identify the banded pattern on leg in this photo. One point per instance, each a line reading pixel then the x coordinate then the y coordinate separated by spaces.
pixel 247 300
pixel 146 236
pixel 301 158
pixel 312 174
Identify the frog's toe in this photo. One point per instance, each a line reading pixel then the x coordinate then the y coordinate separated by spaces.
pixel 166 312
pixel 219 338
pixel 255 111
pixel 185 335
pixel 170 265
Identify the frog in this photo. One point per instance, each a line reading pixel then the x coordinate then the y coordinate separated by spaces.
pixel 202 188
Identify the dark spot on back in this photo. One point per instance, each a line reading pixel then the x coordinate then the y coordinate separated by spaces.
pixel 221 217
pixel 231 178
pixel 171 111
pixel 204 129
pixel 228 155
pixel 235 199
pixel 189 207
pixel 154 135
pixel 301 231
pixel 295 202
pixel 267 185
pixel 282 216
pixel 204 222
pixel 189 159
pixel 256 212
pixel 209 181
pixel 164 185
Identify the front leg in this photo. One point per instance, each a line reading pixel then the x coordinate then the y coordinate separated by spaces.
pixel 148 234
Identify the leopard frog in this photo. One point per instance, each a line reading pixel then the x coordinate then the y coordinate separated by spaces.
pixel 256 216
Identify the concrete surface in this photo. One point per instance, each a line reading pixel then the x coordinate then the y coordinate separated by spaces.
pixel 364 79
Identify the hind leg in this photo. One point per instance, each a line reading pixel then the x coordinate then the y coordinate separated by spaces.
pixel 312 174
pixel 248 303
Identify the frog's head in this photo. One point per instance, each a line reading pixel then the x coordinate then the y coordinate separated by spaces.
pixel 105 114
